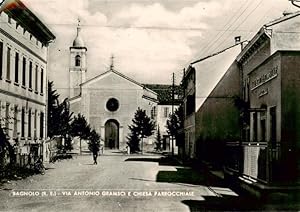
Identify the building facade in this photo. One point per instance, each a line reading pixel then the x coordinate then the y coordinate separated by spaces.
pixel 24 41
pixel 217 122
pixel 248 125
pixel 199 81
pixel 108 100
pixel 270 91
pixel 189 104
pixel 169 98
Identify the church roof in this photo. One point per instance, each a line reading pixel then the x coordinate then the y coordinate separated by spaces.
pixel 78 41
pixel 119 74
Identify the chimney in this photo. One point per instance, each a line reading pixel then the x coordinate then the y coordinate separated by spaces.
pixel 237 39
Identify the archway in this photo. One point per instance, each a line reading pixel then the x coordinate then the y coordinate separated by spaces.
pixel 112 134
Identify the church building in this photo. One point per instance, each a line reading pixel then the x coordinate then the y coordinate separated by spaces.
pixel 109 100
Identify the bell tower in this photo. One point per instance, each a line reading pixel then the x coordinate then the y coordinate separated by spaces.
pixel 77 68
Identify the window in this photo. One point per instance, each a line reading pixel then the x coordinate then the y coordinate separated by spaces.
pixel 34 124
pixel 166 112
pixel 9 19
pixel 42 80
pixel 41 125
pixel 77 60
pixel 8 64
pixel 23 122
pixel 15 132
pixel 36 77
pixel 112 104
pixel 153 112
pixel 1 59
pixel 17 67
pixel 30 74
pixel 247 94
pixel 7 120
pixel 273 126
pixel 263 130
pixel 254 117
pixel 190 104
pixel 24 72
pixel 29 123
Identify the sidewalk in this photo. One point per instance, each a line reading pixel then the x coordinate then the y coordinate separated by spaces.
pixel 217 177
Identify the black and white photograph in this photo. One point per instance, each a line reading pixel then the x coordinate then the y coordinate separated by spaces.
pixel 149 105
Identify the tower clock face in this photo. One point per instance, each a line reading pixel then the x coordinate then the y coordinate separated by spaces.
pixel 112 104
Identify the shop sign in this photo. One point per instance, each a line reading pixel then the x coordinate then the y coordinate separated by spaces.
pixel 262 79
pixel 263 92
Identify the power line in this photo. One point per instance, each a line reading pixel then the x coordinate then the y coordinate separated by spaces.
pixel 239 24
pixel 227 29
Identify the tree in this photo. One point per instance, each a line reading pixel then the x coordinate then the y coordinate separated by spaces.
pixel 59 117
pixel 81 128
pixel 141 127
pixel 5 147
pixel 65 118
pixel 134 141
pixel 158 140
pixel 175 124
pixel 94 141
pixel 53 114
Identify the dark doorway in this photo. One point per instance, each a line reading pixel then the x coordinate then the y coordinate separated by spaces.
pixel 112 134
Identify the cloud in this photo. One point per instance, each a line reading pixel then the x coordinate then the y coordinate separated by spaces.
pixel 64 12
pixel 156 15
pixel 150 41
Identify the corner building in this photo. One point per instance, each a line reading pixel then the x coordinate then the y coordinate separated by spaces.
pixel 24 41
pixel 270 139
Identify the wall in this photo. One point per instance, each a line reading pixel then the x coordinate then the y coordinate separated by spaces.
pixel 189 102
pixel 129 95
pixel 290 129
pixel 217 120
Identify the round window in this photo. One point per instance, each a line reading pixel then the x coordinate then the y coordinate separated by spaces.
pixel 112 104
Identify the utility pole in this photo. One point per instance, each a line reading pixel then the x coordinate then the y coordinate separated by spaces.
pixel 173 87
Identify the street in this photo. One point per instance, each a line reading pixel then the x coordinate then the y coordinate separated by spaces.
pixel 118 183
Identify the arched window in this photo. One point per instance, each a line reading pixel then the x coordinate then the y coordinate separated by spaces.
pixel 77 60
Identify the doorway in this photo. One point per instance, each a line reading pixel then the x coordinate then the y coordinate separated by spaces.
pixel 112 134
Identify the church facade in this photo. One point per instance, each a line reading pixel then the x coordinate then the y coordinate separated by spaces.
pixel 109 100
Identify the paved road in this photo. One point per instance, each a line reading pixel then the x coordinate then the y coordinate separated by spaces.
pixel 117 183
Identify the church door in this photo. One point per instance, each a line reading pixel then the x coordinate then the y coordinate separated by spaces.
pixel 112 134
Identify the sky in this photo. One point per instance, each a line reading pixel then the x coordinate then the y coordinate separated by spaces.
pixel 150 39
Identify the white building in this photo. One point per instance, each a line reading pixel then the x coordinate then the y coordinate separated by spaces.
pixel 164 109
pixel 24 43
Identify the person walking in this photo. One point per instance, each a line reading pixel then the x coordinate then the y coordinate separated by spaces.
pixel 95 154
pixel 94 145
